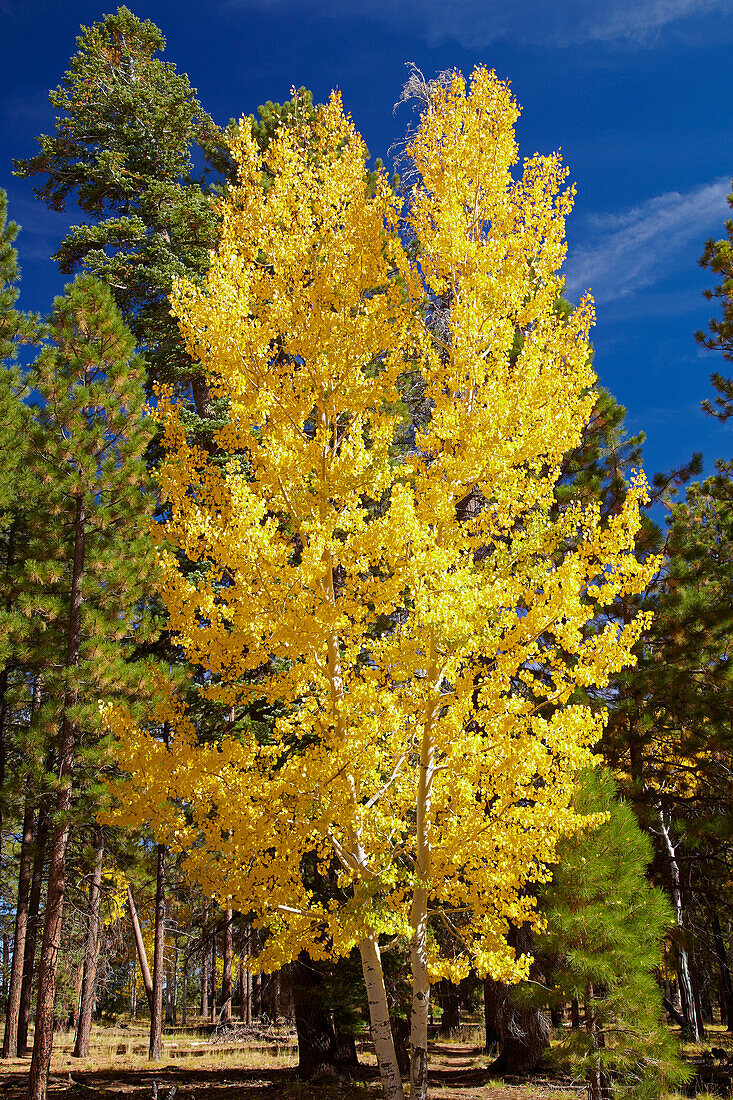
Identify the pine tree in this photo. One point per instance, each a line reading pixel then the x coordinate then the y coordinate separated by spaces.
pixel 718 256
pixel 88 580
pixel 126 129
pixel 605 924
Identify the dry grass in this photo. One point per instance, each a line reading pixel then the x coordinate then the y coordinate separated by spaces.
pixel 253 1071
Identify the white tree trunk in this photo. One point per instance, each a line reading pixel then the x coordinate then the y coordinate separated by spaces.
pixel 419 910
pixel 371 963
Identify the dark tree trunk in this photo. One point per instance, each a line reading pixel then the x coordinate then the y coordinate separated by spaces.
pixel 140 945
pixel 204 969
pixel 574 1014
pixel 400 1026
pixel 346 1056
pixel 31 938
pixel 524 1034
pixel 226 980
pixel 491 1015
pixel 212 988
pixel 155 1052
pixel 56 889
pixel 10 1037
pixel 317 1045
pixel 4 688
pixel 598 1088
pixel 91 957
pixel 726 984
pixel 446 995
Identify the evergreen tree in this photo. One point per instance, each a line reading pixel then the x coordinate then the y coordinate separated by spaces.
pixel 126 129
pixel 88 578
pixel 605 923
pixel 718 256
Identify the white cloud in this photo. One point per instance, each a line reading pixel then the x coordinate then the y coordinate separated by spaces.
pixel 629 251
pixel 477 23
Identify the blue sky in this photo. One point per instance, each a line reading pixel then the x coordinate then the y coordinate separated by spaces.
pixel 636 93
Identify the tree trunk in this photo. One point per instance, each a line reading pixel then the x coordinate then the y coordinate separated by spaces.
pixel 317 1041
pixel 133 990
pixel 226 980
pixel 56 889
pixel 31 938
pixel 491 1015
pixel 10 1037
pixel 184 991
pixel 4 698
pixel 140 945
pixel 574 1014
pixel 726 984
pixel 687 995
pixel 524 1034
pixel 419 908
pixel 212 990
pixel 91 956
pixel 371 962
pixel 73 1018
pixel 597 1084
pixel 155 1053
pixel 55 896
pixel 204 969
pixel 446 995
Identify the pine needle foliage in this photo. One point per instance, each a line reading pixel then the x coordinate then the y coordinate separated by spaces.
pixel 605 924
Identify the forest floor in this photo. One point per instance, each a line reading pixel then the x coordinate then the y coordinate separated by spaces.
pixel 257 1065
pixel 249 1070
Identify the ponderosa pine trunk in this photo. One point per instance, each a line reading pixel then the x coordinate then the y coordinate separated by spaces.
pixel 31 939
pixel 10 1036
pixel 491 1012
pixel 313 1021
pixel 155 1052
pixel 371 964
pixel 56 889
pixel 140 945
pixel 226 980
pixel 446 995
pixel 597 1083
pixel 524 1034
pixel 204 968
pixel 212 975
pixel 91 957
pixel 726 984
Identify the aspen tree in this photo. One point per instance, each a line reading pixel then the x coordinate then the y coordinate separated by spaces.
pixel 422 657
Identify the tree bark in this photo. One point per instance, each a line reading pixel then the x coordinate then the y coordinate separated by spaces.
pixel 597 1084
pixel 212 990
pixel 56 889
pixel 446 995
pixel 524 1033
pixel 226 980
pixel 140 945
pixel 318 1041
pixel 491 1014
pixel 687 996
pixel 91 957
pixel 155 1053
pixel 371 962
pixel 726 984
pixel 10 1037
pixel 204 969
pixel 419 907
pixel 34 904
